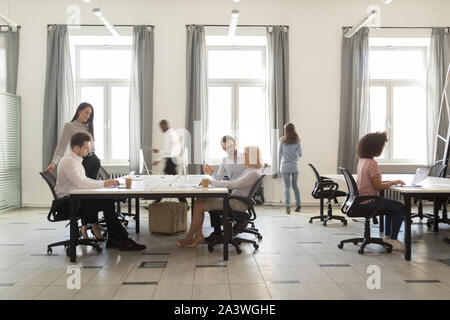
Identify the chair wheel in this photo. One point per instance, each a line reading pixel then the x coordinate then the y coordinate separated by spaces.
pixel 355 243
pixel 429 225
pixel 99 249
pixel 344 223
pixel 389 249
pixel 125 223
pixel 324 223
pixel 255 246
pixel 67 252
pixel 239 251
pixel 259 237
pixel 210 249
pixel 310 221
pixel 340 245
pixel 361 251
pixel 49 251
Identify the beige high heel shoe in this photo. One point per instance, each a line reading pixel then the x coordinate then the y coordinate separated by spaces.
pixel 196 242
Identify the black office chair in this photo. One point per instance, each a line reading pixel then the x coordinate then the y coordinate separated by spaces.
pixel 436 170
pixel 59 211
pixel 351 208
pixel 325 188
pixel 240 221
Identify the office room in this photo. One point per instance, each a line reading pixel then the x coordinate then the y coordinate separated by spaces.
pixel 240 150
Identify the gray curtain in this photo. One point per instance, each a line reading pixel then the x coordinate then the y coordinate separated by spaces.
pixel 278 87
pixel 141 95
pixel 196 97
pixel 59 90
pixel 10 43
pixel 354 111
pixel 438 64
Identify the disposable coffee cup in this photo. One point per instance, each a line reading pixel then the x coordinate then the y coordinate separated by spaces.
pixel 128 182
pixel 205 183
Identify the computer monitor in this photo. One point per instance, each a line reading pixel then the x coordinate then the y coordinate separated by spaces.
pixel 142 162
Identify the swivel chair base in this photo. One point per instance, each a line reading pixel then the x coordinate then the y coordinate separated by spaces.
pixel 66 245
pixel 329 216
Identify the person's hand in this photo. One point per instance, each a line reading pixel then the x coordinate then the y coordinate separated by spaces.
pixel 155 163
pixel 207 169
pixel 398 182
pixel 51 167
pixel 155 150
pixel 110 183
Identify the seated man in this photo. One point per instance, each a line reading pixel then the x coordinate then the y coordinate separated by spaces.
pixel 72 176
pixel 230 168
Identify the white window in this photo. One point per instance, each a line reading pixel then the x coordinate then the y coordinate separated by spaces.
pixel 102 78
pixel 237 94
pixel 398 98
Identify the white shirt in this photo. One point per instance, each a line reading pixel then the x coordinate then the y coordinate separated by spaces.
pixel 233 168
pixel 171 145
pixel 72 176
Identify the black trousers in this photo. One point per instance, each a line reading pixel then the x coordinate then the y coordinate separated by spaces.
pixel 91 164
pixel 216 219
pixel 89 209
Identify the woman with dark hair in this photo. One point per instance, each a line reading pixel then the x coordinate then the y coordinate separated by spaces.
pixel 289 152
pixel 82 121
pixel 370 184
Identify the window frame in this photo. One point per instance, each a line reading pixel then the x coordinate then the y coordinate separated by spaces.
pixel 234 84
pixel 107 84
pixel 390 84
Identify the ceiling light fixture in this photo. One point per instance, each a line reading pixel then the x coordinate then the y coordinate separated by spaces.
pixel 108 25
pixel 233 22
pixel 386 1
pixel 363 23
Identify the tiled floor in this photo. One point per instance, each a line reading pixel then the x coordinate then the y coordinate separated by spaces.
pixel 296 260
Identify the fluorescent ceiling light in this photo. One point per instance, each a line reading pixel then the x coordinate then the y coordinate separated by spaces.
pixel 363 23
pixel 9 22
pixel 108 25
pixel 233 22
pixel 236 1
pixel 386 1
pixel 87 1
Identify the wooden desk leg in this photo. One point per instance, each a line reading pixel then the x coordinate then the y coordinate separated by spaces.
pixel 226 227
pixel 73 231
pixel 436 206
pixel 407 227
pixel 137 215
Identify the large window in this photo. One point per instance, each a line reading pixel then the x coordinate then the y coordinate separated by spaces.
pixel 102 77
pixel 237 94
pixel 398 98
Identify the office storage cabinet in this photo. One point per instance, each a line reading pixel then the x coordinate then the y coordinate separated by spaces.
pixel 10 153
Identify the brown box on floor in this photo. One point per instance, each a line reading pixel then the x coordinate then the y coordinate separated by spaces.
pixel 167 217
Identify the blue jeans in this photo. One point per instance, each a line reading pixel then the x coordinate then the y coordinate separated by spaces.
pixel 287 186
pixel 393 220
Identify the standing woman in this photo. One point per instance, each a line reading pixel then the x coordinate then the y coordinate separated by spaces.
pixel 289 152
pixel 83 121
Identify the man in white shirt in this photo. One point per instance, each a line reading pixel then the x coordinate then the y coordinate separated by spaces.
pixel 231 168
pixel 72 176
pixel 171 151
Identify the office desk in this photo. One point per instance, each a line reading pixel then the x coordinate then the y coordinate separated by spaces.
pixel 435 188
pixel 150 188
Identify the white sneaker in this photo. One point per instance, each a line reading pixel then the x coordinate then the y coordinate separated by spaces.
pixel 396 245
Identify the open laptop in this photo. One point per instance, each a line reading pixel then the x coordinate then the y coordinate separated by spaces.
pixel 421 174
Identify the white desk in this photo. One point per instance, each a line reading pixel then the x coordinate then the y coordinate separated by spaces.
pixel 150 187
pixel 430 187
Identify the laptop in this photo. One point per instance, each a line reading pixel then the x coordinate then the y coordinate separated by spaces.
pixel 421 174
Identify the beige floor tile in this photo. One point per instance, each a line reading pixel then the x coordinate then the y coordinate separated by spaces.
pixel 173 292
pixel 344 275
pixel 86 276
pixel 144 275
pixel 97 292
pixel 135 292
pixel 211 292
pixel 20 293
pixel 358 291
pixel 325 292
pixel 287 291
pixel 109 277
pixel 57 293
pixel 211 276
pixel 277 274
pixel 403 291
pixel 40 278
pixel 178 276
pixel 313 274
pixel 241 291
pixel 245 275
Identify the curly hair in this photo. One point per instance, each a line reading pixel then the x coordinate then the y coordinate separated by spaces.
pixel 372 144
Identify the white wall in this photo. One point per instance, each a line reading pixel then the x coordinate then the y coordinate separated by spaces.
pixel 315 49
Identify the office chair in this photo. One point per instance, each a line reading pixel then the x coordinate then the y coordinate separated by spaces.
pixel 351 209
pixel 60 211
pixel 325 188
pixel 436 170
pixel 240 221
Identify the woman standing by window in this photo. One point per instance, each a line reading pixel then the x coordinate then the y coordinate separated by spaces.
pixel 289 152
pixel 82 121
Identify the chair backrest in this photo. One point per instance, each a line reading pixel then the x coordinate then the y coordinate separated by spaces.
pixel 352 191
pixel 437 170
pixel 318 178
pixel 256 186
pixel 103 174
pixel 51 181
